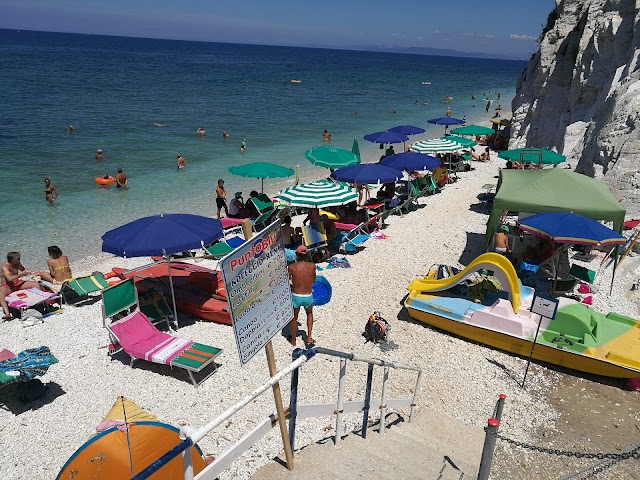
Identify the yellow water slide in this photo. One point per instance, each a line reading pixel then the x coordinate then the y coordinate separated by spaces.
pixel 501 267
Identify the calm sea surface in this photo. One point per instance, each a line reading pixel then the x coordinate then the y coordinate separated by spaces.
pixel 112 88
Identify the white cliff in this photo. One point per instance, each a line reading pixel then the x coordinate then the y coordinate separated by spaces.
pixel 580 93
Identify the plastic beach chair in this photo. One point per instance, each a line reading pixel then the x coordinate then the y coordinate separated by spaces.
pixel 134 334
pixel 314 237
pixel 79 287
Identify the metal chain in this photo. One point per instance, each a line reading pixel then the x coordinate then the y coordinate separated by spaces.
pixel 635 452
pixel 592 470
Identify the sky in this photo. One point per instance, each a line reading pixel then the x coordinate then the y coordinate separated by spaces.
pixel 498 27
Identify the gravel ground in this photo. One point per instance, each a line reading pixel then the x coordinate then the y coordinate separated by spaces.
pixel 461 379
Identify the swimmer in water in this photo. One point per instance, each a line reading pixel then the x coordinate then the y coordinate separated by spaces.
pixel 99 154
pixel 50 193
pixel 201 131
pixel 243 145
pixel 225 135
pixel 181 162
pixel 156 124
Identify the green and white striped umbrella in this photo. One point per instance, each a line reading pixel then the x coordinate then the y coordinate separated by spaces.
pixel 321 193
pixel 436 145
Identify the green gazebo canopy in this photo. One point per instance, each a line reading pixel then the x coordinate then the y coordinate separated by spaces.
pixel 553 190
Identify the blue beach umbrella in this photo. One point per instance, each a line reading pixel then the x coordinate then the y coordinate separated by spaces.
pixel 407 129
pixel 411 161
pixel 367 173
pixel 446 121
pixel 163 234
pixel 567 227
pixel 386 137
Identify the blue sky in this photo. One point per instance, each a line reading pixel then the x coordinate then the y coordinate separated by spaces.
pixel 501 27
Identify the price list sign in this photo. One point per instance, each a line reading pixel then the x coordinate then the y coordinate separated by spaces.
pixel 257 283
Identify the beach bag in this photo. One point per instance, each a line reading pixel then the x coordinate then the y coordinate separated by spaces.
pixel 376 329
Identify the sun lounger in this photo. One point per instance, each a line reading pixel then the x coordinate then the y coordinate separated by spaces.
pixel 228 222
pixel 154 306
pixel 80 287
pixel 140 339
pixel 351 241
pixel 314 238
pixel 21 300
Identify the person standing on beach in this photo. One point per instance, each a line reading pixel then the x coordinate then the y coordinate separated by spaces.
pixel 302 274
pixel 50 193
pixel 121 179
pixel 221 198
pixel 181 162
pixel 326 136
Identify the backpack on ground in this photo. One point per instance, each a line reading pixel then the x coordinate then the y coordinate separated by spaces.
pixel 376 329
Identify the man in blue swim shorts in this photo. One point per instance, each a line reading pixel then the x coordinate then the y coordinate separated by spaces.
pixel 302 274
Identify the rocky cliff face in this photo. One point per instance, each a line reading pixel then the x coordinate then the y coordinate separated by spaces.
pixel 580 93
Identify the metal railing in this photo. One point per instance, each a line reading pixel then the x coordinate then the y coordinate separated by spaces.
pixel 189 436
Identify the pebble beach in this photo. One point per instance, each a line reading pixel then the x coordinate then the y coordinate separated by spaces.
pixel 461 379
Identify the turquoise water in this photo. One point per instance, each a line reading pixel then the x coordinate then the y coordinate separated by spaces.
pixel 112 88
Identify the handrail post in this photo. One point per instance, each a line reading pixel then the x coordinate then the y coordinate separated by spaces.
pixel 367 401
pixel 340 404
pixel 415 396
pixel 499 407
pixel 293 399
pixel 187 461
pixel 488 448
pixel 383 400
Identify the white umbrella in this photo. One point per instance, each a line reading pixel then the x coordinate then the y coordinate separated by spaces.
pixel 318 194
pixel 436 145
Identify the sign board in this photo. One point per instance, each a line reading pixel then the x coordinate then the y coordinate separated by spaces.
pixel 544 306
pixel 257 283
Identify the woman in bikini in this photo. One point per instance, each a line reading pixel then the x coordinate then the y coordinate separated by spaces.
pixel 50 193
pixel 58 264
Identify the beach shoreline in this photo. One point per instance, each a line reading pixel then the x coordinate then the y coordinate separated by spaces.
pixel 444 229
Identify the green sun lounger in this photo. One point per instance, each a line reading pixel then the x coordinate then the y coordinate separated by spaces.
pixel 80 287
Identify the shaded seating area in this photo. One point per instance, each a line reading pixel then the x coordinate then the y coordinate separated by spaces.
pixel 131 331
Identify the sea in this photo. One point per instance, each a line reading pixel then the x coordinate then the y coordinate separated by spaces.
pixel 112 89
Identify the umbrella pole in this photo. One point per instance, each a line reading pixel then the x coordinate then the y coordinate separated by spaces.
pixel 262 186
pixel 173 294
pixel 555 280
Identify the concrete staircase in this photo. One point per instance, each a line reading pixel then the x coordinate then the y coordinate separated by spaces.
pixel 406 451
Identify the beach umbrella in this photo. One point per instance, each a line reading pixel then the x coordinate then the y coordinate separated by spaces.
pixel 436 145
pixel 570 228
pixel 446 121
pixel 501 121
pixel 473 130
pixel 329 156
pixel 355 149
pixel 465 142
pixel 567 227
pixel 407 129
pixel 318 194
pixel 261 170
pixel 367 173
pixel 162 235
pixel 386 137
pixel 411 161
pixel 533 155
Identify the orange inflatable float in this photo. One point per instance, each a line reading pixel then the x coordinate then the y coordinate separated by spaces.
pixel 105 181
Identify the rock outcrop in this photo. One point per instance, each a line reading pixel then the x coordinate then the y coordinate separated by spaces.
pixel 580 93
